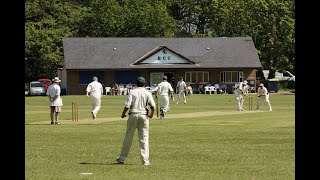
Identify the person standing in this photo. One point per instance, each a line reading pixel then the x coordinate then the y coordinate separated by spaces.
pixel 263 93
pixel 137 103
pixel 55 101
pixel 240 90
pixel 164 89
pixel 95 91
pixel 182 88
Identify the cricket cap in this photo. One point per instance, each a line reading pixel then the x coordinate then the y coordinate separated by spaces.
pixel 165 78
pixel 261 85
pixel 141 80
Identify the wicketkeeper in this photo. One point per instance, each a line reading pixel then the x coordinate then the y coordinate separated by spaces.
pixel 263 93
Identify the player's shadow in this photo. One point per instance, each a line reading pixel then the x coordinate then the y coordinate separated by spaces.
pixel 99 163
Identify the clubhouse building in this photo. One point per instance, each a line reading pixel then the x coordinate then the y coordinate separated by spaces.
pixel 214 60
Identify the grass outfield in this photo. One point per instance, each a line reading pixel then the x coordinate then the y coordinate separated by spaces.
pixel 207 138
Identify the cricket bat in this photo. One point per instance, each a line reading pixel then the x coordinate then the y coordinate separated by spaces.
pixel 157 107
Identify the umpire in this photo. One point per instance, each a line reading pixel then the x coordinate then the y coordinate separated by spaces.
pixel 137 103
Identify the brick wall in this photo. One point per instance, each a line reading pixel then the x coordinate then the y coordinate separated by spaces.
pixel 74 88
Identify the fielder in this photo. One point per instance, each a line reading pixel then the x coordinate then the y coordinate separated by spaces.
pixel 137 101
pixel 182 88
pixel 240 90
pixel 164 89
pixel 263 93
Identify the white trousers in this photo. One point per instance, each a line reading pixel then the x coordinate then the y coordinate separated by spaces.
pixel 140 122
pixel 260 99
pixel 181 93
pixel 96 103
pixel 239 100
pixel 164 103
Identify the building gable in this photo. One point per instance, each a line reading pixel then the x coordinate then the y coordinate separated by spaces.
pixel 163 55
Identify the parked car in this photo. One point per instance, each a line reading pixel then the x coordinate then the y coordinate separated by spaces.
pixel 46 83
pixel 36 88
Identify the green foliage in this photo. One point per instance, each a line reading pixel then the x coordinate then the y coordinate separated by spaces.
pixel 46 23
pixel 270 23
pixel 243 145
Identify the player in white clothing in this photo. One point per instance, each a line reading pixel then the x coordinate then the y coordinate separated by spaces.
pixel 164 89
pixel 263 93
pixel 137 103
pixel 95 90
pixel 182 87
pixel 240 90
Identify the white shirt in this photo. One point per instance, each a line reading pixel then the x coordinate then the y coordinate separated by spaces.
pixel 240 89
pixel 53 90
pixel 164 87
pixel 181 85
pixel 138 100
pixel 262 91
pixel 95 88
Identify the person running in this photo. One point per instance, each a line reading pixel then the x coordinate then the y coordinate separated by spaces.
pixel 182 88
pixel 95 91
pixel 137 103
pixel 164 89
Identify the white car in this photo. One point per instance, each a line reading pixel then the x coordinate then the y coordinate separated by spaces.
pixel 36 88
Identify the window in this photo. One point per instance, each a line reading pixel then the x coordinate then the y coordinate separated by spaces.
pixel 197 76
pixel 126 77
pixel 85 77
pixel 230 77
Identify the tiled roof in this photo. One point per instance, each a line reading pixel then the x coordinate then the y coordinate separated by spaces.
pixel 121 53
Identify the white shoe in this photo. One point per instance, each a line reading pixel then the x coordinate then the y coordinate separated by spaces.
pixel 270 109
pixel 146 163
pixel 120 160
pixel 177 102
pixel 257 110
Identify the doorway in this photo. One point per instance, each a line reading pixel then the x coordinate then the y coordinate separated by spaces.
pixel 156 78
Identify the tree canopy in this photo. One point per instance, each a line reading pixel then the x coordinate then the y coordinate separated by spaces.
pixel 271 24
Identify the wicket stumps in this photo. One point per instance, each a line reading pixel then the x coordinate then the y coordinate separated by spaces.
pixel 250 103
pixel 74 112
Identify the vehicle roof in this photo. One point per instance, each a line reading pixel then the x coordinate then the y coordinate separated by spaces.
pixel 35 82
pixel 43 79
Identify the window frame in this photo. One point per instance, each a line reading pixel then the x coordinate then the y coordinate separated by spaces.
pixel 192 77
pixel 226 77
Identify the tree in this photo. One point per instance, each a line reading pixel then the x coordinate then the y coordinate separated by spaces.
pixel 46 23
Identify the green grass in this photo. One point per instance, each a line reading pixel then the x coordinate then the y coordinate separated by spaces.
pixel 255 145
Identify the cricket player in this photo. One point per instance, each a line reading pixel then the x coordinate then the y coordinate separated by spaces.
pixel 263 93
pixel 137 101
pixel 182 88
pixel 55 100
pixel 239 91
pixel 95 91
pixel 164 89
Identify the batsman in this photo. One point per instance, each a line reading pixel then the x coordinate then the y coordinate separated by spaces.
pixel 240 89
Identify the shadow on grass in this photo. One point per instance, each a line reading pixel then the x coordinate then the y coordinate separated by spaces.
pixel 97 163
